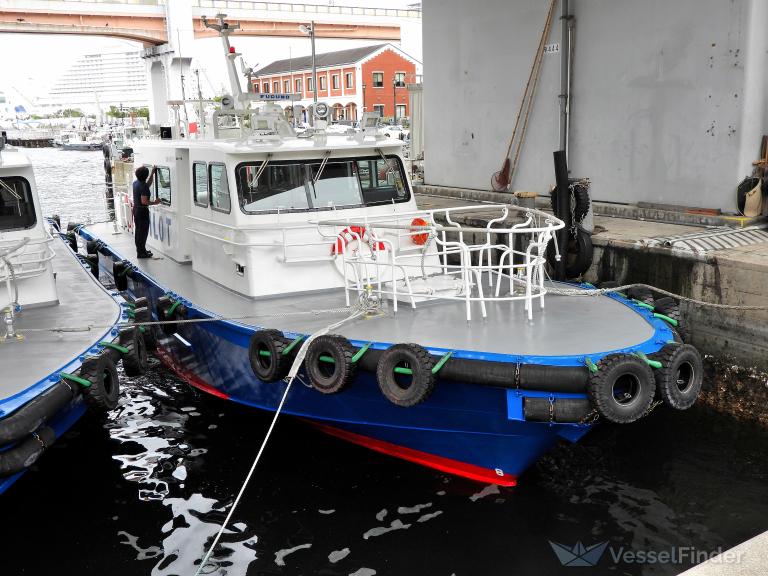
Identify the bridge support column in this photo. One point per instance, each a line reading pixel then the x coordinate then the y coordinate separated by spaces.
pixel 168 69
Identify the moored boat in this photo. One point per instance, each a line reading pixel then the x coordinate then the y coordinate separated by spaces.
pixel 450 347
pixel 59 336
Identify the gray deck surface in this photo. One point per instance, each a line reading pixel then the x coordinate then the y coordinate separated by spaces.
pixel 569 325
pixel 82 301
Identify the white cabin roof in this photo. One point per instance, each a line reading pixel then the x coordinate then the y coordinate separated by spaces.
pixel 253 145
pixel 13 159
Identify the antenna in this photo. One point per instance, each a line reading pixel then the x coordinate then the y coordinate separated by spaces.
pixel 181 77
pixel 225 29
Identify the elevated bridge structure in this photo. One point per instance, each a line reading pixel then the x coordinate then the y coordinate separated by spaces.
pixel 145 20
pixel 163 26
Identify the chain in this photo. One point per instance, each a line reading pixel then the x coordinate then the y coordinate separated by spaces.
pixel 590 417
pixel 652 407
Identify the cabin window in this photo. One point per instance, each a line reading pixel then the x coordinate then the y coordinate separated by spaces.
pixel 163 185
pixel 280 186
pixel 337 185
pixel 200 183
pixel 219 186
pixel 343 182
pixel 17 211
pixel 382 181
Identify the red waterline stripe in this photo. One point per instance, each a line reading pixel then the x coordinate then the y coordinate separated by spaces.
pixel 424 458
pixel 189 377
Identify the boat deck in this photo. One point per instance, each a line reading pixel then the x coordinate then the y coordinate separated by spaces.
pixel 567 326
pixel 82 301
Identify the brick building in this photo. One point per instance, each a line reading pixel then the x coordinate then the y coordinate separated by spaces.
pixel 350 81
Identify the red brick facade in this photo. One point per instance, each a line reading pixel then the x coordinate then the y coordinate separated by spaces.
pixel 354 89
pixel 389 63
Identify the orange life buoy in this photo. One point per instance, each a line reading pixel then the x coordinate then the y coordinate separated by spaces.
pixel 417 224
pixel 352 233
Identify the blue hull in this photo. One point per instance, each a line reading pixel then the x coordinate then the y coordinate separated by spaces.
pixel 467 429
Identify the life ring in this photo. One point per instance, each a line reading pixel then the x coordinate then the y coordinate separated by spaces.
pixel 135 359
pixel 167 310
pixel 266 354
pixel 351 234
pixel 329 363
pixel 681 375
pixel 120 271
pixel 404 374
pixel 101 373
pixel 417 224
pixel 577 253
pixel 622 388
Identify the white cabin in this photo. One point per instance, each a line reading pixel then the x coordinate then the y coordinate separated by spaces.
pixel 244 212
pixel 26 272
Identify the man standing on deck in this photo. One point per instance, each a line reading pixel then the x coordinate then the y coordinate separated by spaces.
pixel 141 204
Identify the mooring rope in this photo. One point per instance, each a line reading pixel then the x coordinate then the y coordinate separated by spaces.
pixel 366 306
pixel 601 291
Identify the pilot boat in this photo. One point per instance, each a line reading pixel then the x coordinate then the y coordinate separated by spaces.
pixel 449 348
pixel 60 335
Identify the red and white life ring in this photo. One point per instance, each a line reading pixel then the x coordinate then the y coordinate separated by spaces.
pixel 352 234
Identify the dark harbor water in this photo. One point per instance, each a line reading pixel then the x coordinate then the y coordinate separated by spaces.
pixel 145 490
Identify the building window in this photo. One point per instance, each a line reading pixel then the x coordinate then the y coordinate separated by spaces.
pixel 219 185
pixel 265 87
pixel 310 85
pixel 350 80
pixel 276 87
pixel 400 111
pixel 163 185
pixel 378 79
pixel 17 211
pixel 200 183
pixel 379 108
pixel 298 85
pixel 400 79
pixel 322 83
pixel 335 81
pixel 287 87
pixel 256 87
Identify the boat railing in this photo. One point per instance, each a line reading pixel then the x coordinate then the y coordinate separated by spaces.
pixel 431 255
pixel 20 259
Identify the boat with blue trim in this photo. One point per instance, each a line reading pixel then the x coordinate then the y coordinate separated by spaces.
pixel 450 346
pixel 60 336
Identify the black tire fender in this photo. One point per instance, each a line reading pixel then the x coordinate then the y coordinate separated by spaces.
pixel 93 263
pixel 641 294
pixel 92 246
pixel 333 376
pixel 580 197
pixel 622 389
pixel 135 360
pixel 681 375
pixel 72 241
pixel 141 315
pixel 101 372
pixel 120 271
pixel 265 353
pixel 578 253
pixel 164 306
pixel 669 307
pixel 403 389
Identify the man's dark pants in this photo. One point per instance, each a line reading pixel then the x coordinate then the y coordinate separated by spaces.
pixel 140 233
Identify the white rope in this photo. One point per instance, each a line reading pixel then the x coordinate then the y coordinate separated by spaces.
pixel 364 309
